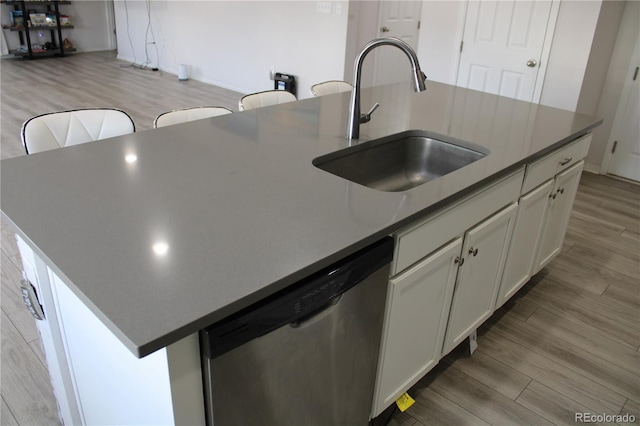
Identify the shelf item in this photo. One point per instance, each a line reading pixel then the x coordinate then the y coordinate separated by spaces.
pixel 39 20
pixel 38 54
pixel 46 27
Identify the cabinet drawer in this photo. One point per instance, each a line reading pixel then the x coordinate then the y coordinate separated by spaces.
pixel 555 162
pixel 419 239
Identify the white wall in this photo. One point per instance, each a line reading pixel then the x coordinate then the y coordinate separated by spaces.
pixel 362 28
pixel 234 44
pixel 573 37
pixel 90 20
pixel 441 28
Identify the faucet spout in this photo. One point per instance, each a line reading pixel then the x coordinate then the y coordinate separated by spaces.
pixel 353 129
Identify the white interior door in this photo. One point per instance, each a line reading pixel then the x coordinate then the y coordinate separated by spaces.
pixel 400 19
pixel 625 135
pixel 502 47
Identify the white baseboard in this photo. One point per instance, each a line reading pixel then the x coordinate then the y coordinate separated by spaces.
pixel 591 168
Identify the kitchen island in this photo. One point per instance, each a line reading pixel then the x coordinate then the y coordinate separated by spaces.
pixel 234 206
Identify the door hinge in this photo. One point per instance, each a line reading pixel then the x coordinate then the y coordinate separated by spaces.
pixel 615 145
pixel 635 74
pixel 461 43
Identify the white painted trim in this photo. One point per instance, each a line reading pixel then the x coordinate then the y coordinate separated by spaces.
pixel 462 21
pixel 622 105
pixel 111 24
pixel 546 50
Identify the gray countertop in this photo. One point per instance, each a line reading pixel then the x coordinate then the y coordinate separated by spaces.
pixel 237 203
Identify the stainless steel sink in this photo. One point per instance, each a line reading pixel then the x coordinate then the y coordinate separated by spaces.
pixel 401 161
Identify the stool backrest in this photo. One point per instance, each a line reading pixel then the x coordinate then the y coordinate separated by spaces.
pixel 65 128
pixel 266 98
pixel 183 115
pixel 330 87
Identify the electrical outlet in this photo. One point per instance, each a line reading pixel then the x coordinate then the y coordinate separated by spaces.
pixel 323 7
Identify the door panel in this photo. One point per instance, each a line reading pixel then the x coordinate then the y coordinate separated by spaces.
pixel 500 37
pixel 418 304
pixel 532 209
pixel 484 250
pixel 510 82
pixel 559 211
pixel 478 78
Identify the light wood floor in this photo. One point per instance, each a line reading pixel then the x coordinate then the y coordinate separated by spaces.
pixel 568 343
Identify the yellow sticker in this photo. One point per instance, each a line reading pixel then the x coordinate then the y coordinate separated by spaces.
pixel 404 402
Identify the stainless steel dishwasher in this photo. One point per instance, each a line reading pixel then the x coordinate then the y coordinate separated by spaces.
pixel 304 356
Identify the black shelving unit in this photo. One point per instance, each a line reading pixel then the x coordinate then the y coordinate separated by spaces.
pixel 52 8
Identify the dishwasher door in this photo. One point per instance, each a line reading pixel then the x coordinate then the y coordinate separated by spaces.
pixel 317 368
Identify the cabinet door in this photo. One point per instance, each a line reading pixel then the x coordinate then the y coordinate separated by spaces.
pixel 485 251
pixel 416 314
pixel 557 219
pixel 527 231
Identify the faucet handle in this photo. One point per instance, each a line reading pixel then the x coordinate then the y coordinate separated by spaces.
pixel 365 118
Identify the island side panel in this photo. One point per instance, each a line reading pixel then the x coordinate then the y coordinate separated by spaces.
pixel 36 273
pixel 96 379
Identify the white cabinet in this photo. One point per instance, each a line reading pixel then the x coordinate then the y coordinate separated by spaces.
pixel 452 269
pixel 532 210
pixel 557 218
pixel 428 260
pixel 549 189
pixel 483 257
pixel 418 303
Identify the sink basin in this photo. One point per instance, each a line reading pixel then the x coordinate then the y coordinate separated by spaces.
pixel 401 161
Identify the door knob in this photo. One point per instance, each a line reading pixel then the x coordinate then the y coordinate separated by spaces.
pixel 532 63
pixel 385 29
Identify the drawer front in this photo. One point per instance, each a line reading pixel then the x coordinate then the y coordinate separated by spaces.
pixel 555 162
pixel 418 240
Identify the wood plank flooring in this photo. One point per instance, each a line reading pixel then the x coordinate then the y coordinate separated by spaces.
pixel 569 342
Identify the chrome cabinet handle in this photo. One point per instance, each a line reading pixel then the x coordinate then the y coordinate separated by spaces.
pixel 560 191
pixel 473 251
pixel 459 260
pixel 553 195
pixel 532 63
pixel 566 161
pixel 385 29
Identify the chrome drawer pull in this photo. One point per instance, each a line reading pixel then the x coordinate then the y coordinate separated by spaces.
pixel 566 161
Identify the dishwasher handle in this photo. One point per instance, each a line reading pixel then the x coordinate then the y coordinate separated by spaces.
pixel 298 302
pixel 316 315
